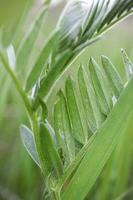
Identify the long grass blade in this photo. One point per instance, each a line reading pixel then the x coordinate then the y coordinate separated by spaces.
pixel 102 146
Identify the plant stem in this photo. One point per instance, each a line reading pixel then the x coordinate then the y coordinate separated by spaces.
pixel 17 84
pixel 55 195
pixel 31 114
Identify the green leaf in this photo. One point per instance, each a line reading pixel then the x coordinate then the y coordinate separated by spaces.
pixel 63 128
pixel 91 107
pixel 102 146
pixel 41 61
pixel 54 73
pixel 80 130
pixel 29 40
pixel 29 143
pixel 74 37
pixel 116 11
pixel 114 78
pixel 128 64
pixel 101 87
pixel 50 156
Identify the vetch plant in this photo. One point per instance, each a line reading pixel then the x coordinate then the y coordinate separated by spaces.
pixel 93 111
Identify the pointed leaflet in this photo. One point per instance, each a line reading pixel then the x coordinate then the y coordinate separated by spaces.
pixel 63 128
pixel 41 61
pixel 115 12
pixel 128 64
pixel 70 46
pixel 101 86
pixel 80 130
pixel 113 76
pixel 29 143
pixel 29 40
pixel 102 146
pixel 54 73
pixel 91 107
pixel 50 156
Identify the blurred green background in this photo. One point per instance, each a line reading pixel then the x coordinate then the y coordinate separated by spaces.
pixel 20 178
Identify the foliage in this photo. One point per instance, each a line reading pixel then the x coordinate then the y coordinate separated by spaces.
pixel 88 115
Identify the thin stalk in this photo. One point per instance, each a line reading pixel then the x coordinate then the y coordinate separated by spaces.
pixel 31 114
pixel 55 196
pixel 17 84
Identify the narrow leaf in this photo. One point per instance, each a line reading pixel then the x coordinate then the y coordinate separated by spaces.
pixel 54 74
pixel 78 125
pixel 41 61
pixel 29 41
pixel 63 128
pixel 128 64
pixel 102 146
pixel 49 153
pixel 101 86
pixel 91 107
pixel 113 76
pixel 29 143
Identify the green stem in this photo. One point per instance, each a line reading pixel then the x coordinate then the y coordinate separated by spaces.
pixel 31 114
pixel 17 84
pixel 55 195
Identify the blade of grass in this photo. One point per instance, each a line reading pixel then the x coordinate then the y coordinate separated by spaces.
pixel 102 146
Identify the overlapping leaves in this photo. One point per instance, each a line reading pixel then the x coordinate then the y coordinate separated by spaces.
pixel 75 33
pixel 83 115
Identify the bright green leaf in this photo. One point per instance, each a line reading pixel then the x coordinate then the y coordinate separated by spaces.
pixel 79 126
pixel 50 156
pixel 102 146
pixel 101 87
pixel 63 128
pixel 114 78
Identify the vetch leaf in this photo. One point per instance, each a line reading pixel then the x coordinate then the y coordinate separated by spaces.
pixel 113 76
pixel 128 64
pixel 101 87
pixel 91 107
pixel 29 143
pixel 102 146
pixel 41 61
pixel 54 73
pixel 74 37
pixel 63 128
pixel 50 156
pixel 29 41
pixel 79 127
